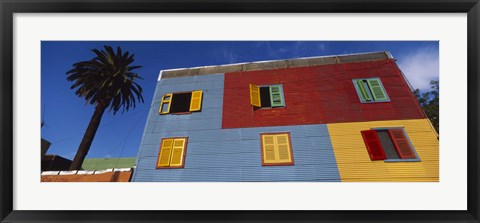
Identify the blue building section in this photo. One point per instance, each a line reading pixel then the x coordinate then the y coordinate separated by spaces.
pixel 227 155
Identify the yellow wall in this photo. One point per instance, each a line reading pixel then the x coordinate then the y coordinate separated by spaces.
pixel 354 163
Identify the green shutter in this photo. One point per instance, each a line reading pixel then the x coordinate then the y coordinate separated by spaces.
pixel 377 90
pixel 276 96
pixel 365 96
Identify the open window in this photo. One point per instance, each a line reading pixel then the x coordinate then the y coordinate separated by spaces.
pixel 184 102
pixel 270 96
pixel 370 90
pixel 389 145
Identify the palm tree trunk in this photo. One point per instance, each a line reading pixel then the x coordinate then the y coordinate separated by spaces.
pixel 88 137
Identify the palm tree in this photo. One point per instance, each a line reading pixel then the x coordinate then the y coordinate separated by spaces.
pixel 106 81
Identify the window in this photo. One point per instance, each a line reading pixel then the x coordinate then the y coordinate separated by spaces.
pixel 370 90
pixel 389 145
pixel 184 102
pixel 276 149
pixel 267 96
pixel 172 153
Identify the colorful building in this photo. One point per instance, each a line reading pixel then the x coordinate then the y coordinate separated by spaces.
pixel 93 170
pixel 330 119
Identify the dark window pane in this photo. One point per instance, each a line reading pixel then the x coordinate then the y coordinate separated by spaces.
pixel 387 145
pixel 265 97
pixel 180 102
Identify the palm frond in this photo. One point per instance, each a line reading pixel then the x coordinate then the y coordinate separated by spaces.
pixel 107 79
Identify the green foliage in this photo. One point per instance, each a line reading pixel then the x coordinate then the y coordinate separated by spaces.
pixel 429 102
pixel 107 79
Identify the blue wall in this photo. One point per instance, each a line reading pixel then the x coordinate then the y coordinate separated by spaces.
pixel 216 154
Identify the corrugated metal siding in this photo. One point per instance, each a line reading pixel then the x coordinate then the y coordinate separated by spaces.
pixel 234 155
pixel 228 155
pixel 354 163
pixel 318 95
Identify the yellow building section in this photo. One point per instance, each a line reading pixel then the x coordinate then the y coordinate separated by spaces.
pixel 353 160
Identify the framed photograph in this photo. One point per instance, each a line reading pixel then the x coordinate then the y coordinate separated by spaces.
pixel 239 111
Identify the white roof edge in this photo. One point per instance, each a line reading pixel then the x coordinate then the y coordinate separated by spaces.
pixel 160 75
pixel 389 55
pixel 83 172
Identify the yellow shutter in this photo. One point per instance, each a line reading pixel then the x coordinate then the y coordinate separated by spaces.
pixel 196 101
pixel 177 153
pixel 165 104
pixel 283 148
pixel 255 95
pixel 269 149
pixel 165 153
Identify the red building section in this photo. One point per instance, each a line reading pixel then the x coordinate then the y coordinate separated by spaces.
pixel 318 95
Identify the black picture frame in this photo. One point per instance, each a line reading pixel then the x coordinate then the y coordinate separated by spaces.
pixel 9 7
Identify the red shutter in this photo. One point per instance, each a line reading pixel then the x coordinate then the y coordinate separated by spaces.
pixel 373 144
pixel 402 145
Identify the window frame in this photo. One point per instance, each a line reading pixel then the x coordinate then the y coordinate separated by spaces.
pixel 291 163
pixel 369 90
pixel 284 104
pixel 417 159
pixel 183 158
pixel 162 101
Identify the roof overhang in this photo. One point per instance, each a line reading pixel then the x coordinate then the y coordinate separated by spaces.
pixel 274 64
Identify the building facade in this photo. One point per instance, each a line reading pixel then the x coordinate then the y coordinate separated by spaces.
pixel 330 119
pixel 55 169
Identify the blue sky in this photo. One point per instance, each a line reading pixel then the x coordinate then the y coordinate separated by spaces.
pixel 67 115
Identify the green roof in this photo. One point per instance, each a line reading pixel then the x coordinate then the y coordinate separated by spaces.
pixel 108 163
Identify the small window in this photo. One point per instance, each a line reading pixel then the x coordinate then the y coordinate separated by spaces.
pixel 389 145
pixel 270 96
pixel 370 90
pixel 184 102
pixel 276 149
pixel 172 153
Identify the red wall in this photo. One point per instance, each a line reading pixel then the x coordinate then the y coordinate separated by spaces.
pixel 318 95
